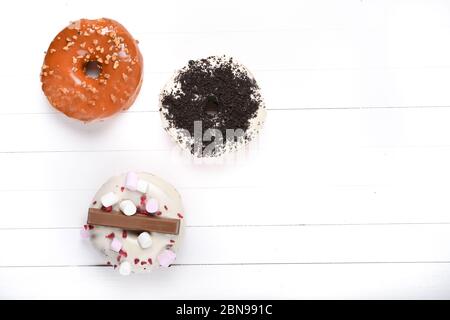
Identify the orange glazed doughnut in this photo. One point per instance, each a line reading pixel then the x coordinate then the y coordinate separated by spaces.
pixel 92 70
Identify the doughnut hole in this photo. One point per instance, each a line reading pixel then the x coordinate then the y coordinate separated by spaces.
pixel 92 69
pixel 212 105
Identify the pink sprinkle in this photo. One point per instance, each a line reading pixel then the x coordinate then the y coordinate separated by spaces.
pixel 90 227
pixel 94 203
pixel 123 253
pixel 166 258
pixel 165 207
pixel 107 209
pixel 180 215
pixel 124 234
pixel 143 262
pixel 110 236
pixel 136 261
pixel 84 233
pixel 150 260
pixel 122 189
pixel 172 241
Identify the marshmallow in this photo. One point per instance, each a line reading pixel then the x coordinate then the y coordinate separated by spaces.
pixel 145 240
pixel 142 186
pixel 127 207
pixel 116 245
pixel 109 199
pixel 131 181
pixel 84 234
pixel 152 206
pixel 166 258
pixel 125 268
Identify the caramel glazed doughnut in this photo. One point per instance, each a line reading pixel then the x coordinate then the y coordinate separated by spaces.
pixel 92 70
pixel 222 94
pixel 134 198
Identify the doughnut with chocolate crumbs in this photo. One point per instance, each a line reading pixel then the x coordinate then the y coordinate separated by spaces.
pixel 215 99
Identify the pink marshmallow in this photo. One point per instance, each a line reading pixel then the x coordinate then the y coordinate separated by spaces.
pixel 152 206
pixel 84 234
pixel 116 245
pixel 166 258
pixel 131 181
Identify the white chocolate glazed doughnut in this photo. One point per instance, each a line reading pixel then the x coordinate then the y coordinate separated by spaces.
pixel 184 97
pixel 136 251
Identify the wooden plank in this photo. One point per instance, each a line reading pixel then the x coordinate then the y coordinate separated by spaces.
pixel 390 167
pixel 259 205
pixel 194 16
pixel 248 245
pixel 286 131
pixel 354 281
pixel 275 86
pixel 359 35
pixel 368 54
pixel 346 88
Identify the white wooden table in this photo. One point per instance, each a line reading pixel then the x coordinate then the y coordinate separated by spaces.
pixel 345 195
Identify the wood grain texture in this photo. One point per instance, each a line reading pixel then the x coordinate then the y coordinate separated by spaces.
pixel 343 195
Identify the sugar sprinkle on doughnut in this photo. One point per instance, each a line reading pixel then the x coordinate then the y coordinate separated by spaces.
pixel 86 49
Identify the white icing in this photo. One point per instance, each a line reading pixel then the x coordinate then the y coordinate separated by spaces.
pixel 166 196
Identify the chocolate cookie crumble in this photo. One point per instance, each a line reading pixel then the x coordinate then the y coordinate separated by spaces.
pixel 217 93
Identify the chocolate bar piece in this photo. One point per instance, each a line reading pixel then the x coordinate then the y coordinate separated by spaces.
pixel 136 222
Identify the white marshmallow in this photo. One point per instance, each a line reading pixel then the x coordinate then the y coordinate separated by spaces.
pixel 125 268
pixel 142 186
pixel 128 207
pixel 109 199
pixel 145 240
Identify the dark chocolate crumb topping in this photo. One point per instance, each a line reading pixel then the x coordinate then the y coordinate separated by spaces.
pixel 216 91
